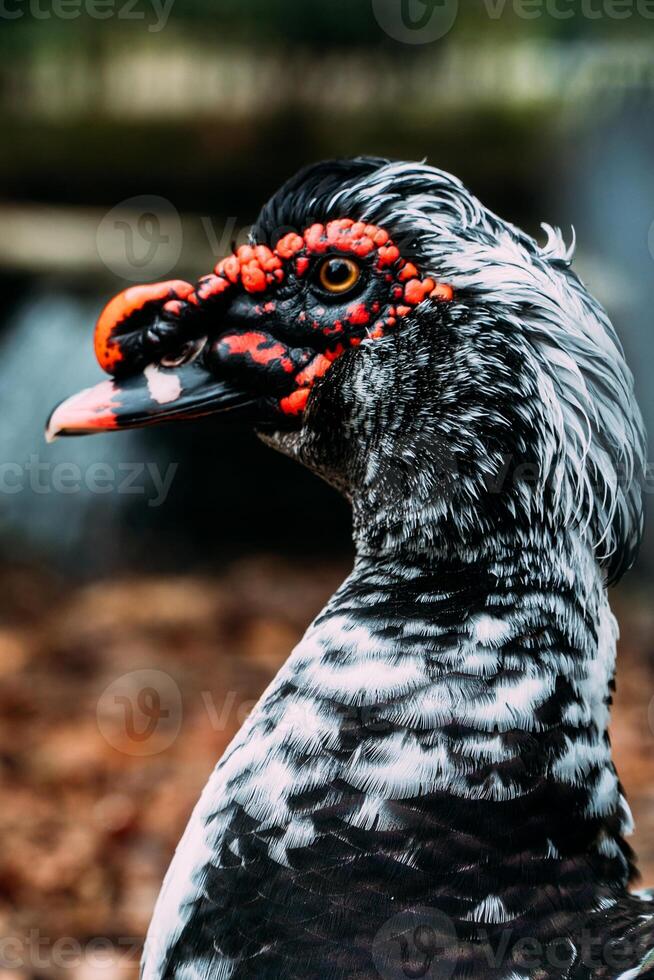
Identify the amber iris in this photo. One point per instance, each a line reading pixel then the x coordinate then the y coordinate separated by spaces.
pixel 337 275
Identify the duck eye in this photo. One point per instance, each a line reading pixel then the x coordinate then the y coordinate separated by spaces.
pixel 338 275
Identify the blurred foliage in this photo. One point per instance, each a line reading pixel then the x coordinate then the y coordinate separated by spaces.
pixel 319 24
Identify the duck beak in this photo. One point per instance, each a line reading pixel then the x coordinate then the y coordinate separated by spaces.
pixel 157 395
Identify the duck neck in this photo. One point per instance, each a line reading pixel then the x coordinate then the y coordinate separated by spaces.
pixel 486 679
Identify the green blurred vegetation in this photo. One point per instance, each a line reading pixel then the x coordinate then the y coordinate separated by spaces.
pixel 319 23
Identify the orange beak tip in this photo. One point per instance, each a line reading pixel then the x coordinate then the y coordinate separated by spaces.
pixel 90 410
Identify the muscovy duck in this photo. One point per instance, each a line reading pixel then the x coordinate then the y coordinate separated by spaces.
pixel 426 788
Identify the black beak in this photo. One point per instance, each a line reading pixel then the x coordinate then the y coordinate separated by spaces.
pixel 159 394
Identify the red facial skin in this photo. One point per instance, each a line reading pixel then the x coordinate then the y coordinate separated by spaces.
pixel 259 347
pixel 256 269
pixel 122 307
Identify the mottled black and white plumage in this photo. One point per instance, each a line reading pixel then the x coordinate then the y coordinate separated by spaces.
pixel 426 788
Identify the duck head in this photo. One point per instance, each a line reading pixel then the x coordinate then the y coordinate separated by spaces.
pixel 433 362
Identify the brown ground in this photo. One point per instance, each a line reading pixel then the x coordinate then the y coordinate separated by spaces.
pixel 92 809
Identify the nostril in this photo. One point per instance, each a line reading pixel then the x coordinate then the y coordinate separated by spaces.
pixel 185 354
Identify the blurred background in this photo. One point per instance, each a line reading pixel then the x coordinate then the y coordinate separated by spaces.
pixel 139 139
